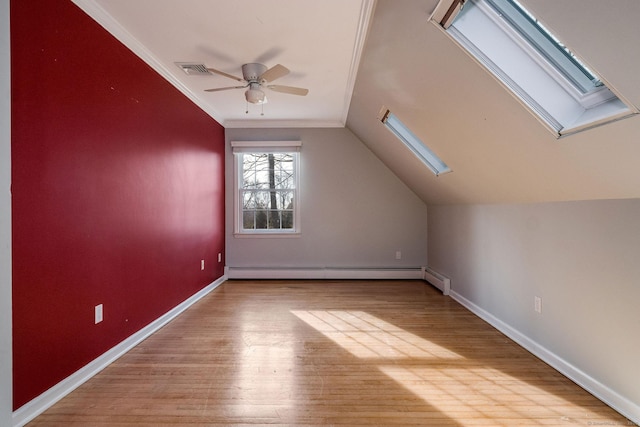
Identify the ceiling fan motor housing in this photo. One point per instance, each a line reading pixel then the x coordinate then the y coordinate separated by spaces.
pixel 252 72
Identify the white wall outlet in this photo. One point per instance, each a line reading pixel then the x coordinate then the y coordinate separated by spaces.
pixel 219 256
pixel 201 264
pixel 398 255
pixel 537 304
pixel 98 313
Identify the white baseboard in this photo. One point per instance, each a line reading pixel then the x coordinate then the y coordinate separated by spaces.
pixel 35 407
pixel 324 273
pixel 620 403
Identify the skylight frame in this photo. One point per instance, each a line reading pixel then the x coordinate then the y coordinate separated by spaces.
pixel 548 45
pixel 549 58
pixel 547 91
pixel 411 141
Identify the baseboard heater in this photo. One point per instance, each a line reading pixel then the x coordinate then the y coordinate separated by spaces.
pixel 436 279
pixel 336 273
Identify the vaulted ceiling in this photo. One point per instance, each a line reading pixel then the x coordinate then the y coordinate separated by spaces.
pixel 357 55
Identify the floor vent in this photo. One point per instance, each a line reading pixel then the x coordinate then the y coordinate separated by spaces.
pixel 436 279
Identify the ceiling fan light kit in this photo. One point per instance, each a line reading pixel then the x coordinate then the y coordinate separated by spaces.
pixel 254 95
pixel 254 76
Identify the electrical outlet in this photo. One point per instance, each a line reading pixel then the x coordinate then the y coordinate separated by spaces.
pixel 398 255
pixel 201 264
pixel 537 304
pixel 98 313
pixel 219 256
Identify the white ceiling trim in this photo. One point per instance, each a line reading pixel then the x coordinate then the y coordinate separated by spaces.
pixel 254 123
pixel 366 14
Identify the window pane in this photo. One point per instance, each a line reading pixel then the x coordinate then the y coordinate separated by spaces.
pixel 255 170
pixel 248 178
pixel 285 200
pixel 248 220
pixel 248 200
pixel 261 219
pixel 284 174
pixel 262 171
pixel 274 219
pixel 287 219
pixel 547 44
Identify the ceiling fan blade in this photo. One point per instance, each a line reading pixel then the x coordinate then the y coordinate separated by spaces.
pixel 289 89
pixel 269 55
pixel 218 89
pixel 274 72
pixel 222 73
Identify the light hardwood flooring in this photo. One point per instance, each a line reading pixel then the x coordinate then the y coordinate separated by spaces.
pixel 328 353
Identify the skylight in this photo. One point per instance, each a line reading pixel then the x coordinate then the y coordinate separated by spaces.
pixel 404 134
pixel 542 72
pixel 547 44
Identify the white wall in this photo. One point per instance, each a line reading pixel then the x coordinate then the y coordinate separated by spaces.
pixel 581 258
pixel 354 212
pixel 5 219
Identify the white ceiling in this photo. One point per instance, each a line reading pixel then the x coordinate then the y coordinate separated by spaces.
pixel 318 41
pixel 498 151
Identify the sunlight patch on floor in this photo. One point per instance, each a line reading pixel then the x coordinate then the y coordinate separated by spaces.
pixel 461 391
pixel 368 337
pixel 458 387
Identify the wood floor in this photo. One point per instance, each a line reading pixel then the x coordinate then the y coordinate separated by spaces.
pixel 328 353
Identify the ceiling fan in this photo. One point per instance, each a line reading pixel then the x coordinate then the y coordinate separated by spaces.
pixel 256 76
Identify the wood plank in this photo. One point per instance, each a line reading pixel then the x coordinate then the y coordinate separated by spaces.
pixel 328 353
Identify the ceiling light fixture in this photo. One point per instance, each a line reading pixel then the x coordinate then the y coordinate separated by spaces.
pixel 254 95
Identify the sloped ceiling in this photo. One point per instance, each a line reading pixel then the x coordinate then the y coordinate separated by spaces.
pixel 498 151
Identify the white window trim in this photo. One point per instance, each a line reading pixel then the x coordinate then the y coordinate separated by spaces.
pixel 238 147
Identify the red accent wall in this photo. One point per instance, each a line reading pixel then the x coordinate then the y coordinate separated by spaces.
pixel 117 186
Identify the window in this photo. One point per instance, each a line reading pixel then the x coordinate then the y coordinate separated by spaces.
pixel 545 75
pixel 266 187
pixel 404 134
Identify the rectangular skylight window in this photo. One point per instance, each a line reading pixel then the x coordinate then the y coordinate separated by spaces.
pixel 542 72
pixel 400 130
pixel 541 39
